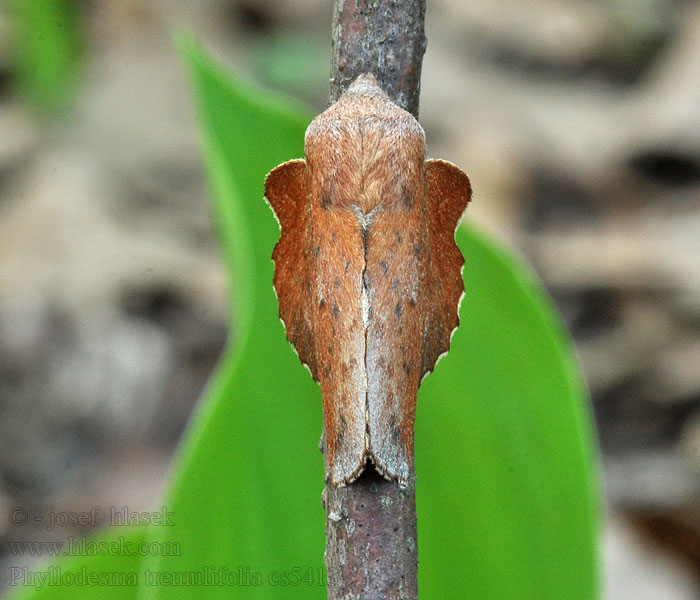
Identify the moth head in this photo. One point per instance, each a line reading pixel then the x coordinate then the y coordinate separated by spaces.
pixel 366 85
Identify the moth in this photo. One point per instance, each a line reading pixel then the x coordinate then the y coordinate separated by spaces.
pixel 367 272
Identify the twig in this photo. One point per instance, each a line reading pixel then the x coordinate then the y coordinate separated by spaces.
pixel 371 543
pixel 382 37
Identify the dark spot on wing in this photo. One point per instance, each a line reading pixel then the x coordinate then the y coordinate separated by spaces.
pixel 416 249
pixel 385 268
pixel 317 250
pixel 399 238
pixel 395 429
pixel 398 310
pixel 407 198
pixel 336 310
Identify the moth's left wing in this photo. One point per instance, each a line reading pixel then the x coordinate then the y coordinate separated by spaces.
pixel 414 280
pixel 448 192
pixel 395 279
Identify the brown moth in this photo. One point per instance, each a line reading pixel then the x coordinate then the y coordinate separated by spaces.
pixel 367 272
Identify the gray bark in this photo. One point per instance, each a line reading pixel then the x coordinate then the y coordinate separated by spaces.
pixel 382 37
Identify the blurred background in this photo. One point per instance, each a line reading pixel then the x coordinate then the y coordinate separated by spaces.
pixel 578 122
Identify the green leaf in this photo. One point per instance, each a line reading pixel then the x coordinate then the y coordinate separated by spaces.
pixel 112 575
pixel 247 490
pixel 507 494
pixel 506 463
pixel 45 44
pixel 296 64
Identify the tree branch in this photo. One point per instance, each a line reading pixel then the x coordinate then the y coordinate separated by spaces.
pixel 371 542
pixel 382 37
pixel 371 550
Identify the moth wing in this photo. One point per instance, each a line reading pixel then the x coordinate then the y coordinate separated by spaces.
pixel 448 193
pixel 285 190
pixel 395 278
pixel 318 280
pixel 414 280
pixel 339 335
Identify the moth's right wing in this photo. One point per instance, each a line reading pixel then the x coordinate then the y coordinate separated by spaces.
pixel 318 280
pixel 285 190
